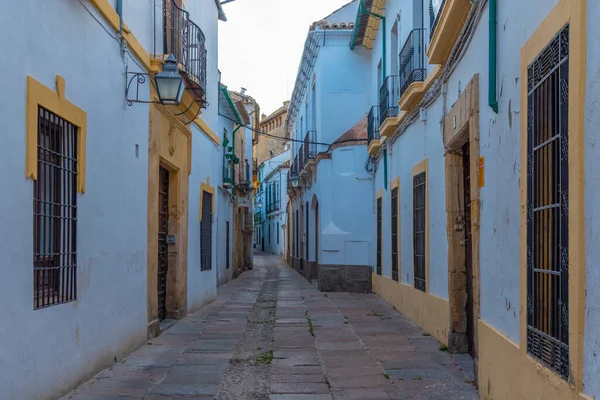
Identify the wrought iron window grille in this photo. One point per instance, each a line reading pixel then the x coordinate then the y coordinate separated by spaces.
pixel 55 212
pixel 548 205
pixel 419 230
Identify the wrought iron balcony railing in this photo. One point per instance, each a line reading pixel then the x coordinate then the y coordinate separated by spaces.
pixel 186 41
pixel 255 166
pixel 412 60
pixel 373 124
pixel 301 160
pixel 310 146
pixel 389 94
pixel 228 173
pixel 434 15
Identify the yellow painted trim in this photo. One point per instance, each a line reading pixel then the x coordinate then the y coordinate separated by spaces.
pixel 374 147
pixel 388 127
pixel 448 28
pixel 206 187
pixel 411 96
pixel 423 166
pixel 571 12
pixel 112 18
pixel 428 311
pixel 378 196
pixel 207 131
pixel 393 185
pixel 432 76
pixel 507 373
pixel 54 101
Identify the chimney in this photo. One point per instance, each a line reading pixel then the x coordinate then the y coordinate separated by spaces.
pixel 243 91
pixel 263 117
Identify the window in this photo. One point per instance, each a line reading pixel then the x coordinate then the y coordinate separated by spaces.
pixel 270 233
pixel 206 232
pixel 297 233
pixel 277 232
pixel 419 188
pixel 226 244
pixel 379 228
pixel 547 206
pixel 55 212
pixel 394 213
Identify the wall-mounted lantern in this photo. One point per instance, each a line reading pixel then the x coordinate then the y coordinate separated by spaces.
pixel 169 84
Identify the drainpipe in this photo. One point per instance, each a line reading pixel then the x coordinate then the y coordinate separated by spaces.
pixel 120 13
pixel 361 10
pixel 493 56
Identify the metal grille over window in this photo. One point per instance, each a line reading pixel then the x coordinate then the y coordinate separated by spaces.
pixel 55 212
pixel 419 188
pixel 547 206
pixel 206 232
pixel 379 240
pixel 395 234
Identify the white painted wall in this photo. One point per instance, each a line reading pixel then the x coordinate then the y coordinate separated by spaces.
pixel 591 350
pixel 344 192
pixel 207 163
pixel 64 344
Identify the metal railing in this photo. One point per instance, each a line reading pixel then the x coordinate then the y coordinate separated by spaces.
pixel 228 173
pixel 186 41
pixel 389 94
pixel 433 17
pixel 301 160
pixel 412 60
pixel 310 146
pixel 373 124
pixel 255 166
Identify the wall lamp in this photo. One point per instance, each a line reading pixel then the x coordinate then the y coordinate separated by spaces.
pixel 169 84
pixel 295 182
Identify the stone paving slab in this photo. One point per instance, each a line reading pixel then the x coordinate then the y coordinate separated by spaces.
pixel 270 334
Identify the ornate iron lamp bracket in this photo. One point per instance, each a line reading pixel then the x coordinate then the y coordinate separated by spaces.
pixel 138 79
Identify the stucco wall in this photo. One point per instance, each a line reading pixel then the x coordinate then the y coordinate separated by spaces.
pixel 591 351
pixel 342 188
pixel 207 162
pixel 64 344
pixel 421 141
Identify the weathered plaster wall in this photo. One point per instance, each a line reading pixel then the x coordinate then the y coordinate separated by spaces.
pixel 343 188
pixel 591 351
pixel 207 162
pixel 109 318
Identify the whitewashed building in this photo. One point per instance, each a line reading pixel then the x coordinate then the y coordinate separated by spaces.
pixel 483 158
pixel 328 179
pixel 103 183
pixel 272 198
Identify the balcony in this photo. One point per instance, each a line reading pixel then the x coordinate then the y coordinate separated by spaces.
pixel 228 174
pixel 292 173
pixel 301 160
pixel 185 40
pixel 412 70
pixel 255 167
pixel 446 26
pixel 309 149
pixel 373 138
pixel 389 94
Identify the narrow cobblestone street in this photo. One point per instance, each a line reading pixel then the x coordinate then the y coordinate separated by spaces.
pixel 272 335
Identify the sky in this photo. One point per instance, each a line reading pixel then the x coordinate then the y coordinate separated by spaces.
pixel 261 43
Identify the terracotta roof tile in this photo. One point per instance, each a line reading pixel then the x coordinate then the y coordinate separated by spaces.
pixel 358 131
